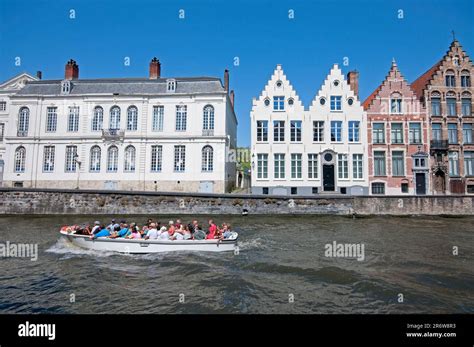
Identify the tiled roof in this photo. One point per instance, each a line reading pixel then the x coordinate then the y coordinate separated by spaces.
pixel 421 82
pixel 125 86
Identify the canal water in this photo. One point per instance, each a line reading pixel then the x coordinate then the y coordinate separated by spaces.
pixel 281 267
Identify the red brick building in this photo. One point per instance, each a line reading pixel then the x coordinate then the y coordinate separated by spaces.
pixel 397 138
pixel 446 92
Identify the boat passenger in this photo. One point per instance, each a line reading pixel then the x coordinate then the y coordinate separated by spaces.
pixel 212 230
pixel 187 232
pixel 122 232
pixel 171 228
pixel 104 232
pixel 164 234
pixel 178 234
pixel 135 234
pixel 96 227
pixel 111 225
pixel 152 234
pixel 199 235
pixel 226 233
pixel 178 224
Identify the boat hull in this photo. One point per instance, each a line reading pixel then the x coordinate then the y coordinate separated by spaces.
pixel 132 246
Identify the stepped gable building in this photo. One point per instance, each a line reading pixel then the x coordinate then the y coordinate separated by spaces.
pixel 156 133
pixel 322 150
pixel 397 131
pixel 446 91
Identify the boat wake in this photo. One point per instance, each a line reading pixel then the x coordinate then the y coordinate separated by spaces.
pixel 68 250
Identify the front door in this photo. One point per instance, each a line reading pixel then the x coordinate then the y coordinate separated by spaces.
pixel 420 183
pixel 328 178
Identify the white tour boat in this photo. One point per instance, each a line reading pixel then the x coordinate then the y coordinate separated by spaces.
pixel 134 246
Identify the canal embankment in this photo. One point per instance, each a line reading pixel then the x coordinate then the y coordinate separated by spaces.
pixel 14 201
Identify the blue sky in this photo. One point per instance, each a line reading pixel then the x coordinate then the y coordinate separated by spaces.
pixel 259 33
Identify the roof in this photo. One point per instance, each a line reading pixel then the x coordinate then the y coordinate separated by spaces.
pixel 125 86
pixel 371 97
pixel 421 82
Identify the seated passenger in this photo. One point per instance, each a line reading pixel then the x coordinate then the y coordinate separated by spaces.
pixel 104 232
pixel 164 235
pixel 179 233
pixel 199 235
pixel 187 235
pixel 212 230
pixel 135 234
pixel 226 231
pixel 171 228
pixel 152 233
pixel 96 227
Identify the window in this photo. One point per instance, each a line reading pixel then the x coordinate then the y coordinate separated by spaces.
pixel 312 165
pixel 181 117
pixel 3 106
pixel 73 119
pixel 112 159
pixel 51 119
pixel 314 190
pixel 318 131
pixel 469 163
pixel 466 107
pixel 397 132
pixel 415 133
pixel 95 156
pixel 171 85
pixel 467 133
pixel 279 131
pixel 48 159
pixel 208 118
pixel 71 156
pixel 378 188
pixel 436 131
pixel 129 159
pixel 452 133
pixel 98 119
pixel 267 102
pixel 453 163
pixel 296 164
pixel 291 101
pixel 451 106
pixel 20 157
pixel 379 163
pixel 279 161
pixel 322 101
pixel 396 105
pixel 398 167
pixel 265 190
pixel 158 118
pixel 342 166
pixel 357 166
pixel 262 130
pixel 436 106
pixel 132 118
pixel 336 131
pixel 420 163
pixel 2 131
pixel 179 158
pixel 378 133
pixel 278 103
pixel 207 159
pixel 23 121
pixel 470 189
pixel 336 102
pixel 354 130
pixel 465 79
pixel 294 190
pixel 404 187
pixel 350 101
pixel 65 87
pixel 295 131
pixel 262 165
pixel 450 79
pixel 156 158
pixel 115 118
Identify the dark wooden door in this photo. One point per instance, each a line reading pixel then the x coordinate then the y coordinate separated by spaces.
pixel 420 183
pixel 328 178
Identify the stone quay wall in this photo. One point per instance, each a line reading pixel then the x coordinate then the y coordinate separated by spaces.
pixel 15 201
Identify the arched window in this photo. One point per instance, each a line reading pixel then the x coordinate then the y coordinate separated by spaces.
pixel 450 78
pixel 94 165
pixel 130 154
pixel 20 157
pixel 23 121
pixel 112 159
pixel 465 79
pixel 207 158
pixel 208 118
pixel 98 119
pixel 132 118
pixel 396 103
pixel 115 118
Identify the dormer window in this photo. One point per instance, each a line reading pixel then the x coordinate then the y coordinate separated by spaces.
pixel 170 85
pixel 65 87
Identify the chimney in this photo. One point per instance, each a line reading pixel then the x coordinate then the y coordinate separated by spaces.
pixel 232 97
pixel 353 81
pixel 39 75
pixel 72 70
pixel 226 80
pixel 155 69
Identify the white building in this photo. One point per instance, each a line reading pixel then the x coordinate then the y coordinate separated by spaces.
pixel 306 152
pixel 161 134
pixel 7 89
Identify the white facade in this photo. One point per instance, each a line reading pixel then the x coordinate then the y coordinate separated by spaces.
pixel 150 147
pixel 7 89
pixel 306 152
